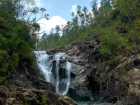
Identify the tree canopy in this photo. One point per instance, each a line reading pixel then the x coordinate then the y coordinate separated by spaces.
pixel 17 34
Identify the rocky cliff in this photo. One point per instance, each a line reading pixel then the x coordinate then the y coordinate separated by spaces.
pixel 26 86
pixel 28 77
pixel 96 79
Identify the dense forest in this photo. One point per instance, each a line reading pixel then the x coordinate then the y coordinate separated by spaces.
pixel 102 44
pixel 18 34
pixel 116 21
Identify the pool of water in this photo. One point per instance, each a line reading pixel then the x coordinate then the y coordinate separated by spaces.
pixel 86 102
pixel 92 103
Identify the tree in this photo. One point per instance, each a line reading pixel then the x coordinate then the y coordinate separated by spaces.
pixel 94 7
pixel 17 35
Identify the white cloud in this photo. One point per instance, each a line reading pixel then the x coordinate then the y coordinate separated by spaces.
pixel 47 25
pixel 74 9
pixel 29 4
pixel 38 3
pixel 98 6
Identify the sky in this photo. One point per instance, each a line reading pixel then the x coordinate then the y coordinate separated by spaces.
pixel 59 11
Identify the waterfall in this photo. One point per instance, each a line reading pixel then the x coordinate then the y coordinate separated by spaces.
pixel 57 58
pixel 55 69
pixel 43 64
pixel 68 68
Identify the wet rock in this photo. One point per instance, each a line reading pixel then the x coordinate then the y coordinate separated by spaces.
pixel 46 85
pixel 72 59
pixel 54 69
pixel 50 52
pixel 79 88
pixel 50 58
pixel 62 73
pixel 62 63
pixel 61 69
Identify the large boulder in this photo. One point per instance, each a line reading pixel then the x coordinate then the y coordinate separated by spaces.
pixel 22 96
pixel 46 85
pixel 80 87
pixel 38 97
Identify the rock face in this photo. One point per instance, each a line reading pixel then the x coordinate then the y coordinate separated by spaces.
pixel 132 79
pixel 92 79
pixel 26 86
pixel 29 78
pixel 62 69
pixel 22 96
pixel 79 88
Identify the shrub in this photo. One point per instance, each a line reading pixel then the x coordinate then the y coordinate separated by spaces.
pixel 110 42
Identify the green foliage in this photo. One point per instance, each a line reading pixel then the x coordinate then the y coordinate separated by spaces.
pixel 3 79
pixel 17 35
pixel 44 102
pixel 23 103
pixel 111 41
pixel 112 61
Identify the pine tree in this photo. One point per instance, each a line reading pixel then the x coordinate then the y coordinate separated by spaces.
pixel 94 7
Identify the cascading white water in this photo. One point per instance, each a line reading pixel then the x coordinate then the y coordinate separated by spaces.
pixel 68 68
pixel 57 58
pixel 45 63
